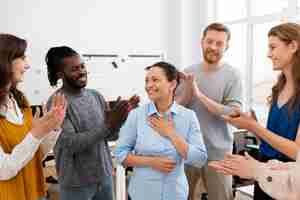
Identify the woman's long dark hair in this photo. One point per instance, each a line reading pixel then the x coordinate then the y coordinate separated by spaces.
pixel 287 33
pixel 11 47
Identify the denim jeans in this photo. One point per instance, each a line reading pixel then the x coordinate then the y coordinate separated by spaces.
pixel 90 192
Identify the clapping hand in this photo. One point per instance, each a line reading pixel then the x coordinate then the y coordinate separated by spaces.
pixel 242 166
pixel 240 119
pixel 52 119
pixel 133 102
pixel 115 116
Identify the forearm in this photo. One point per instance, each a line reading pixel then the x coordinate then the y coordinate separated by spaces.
pixel 287 147
pixel 11 164
pixel 213 106
pixel 137 161
pixel 185 97
pixel 180 144
pixel 80 141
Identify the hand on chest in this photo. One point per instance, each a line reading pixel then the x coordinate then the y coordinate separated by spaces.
pixel 152 140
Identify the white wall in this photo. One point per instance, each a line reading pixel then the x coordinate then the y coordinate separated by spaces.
pixel 194 19
pixel 101 26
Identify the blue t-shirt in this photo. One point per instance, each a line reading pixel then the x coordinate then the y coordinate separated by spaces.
pixel 282 124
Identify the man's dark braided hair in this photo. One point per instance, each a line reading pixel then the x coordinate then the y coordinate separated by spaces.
pixel 54 60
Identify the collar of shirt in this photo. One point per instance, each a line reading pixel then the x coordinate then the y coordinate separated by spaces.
pixel 152 109
pixel 10 114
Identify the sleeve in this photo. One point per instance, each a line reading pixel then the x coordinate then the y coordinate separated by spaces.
pixel 233 91
pixel 73 141
pixel 127 138
pixel 49 141
pixel 296 178
pixel 277 183
pixel 104 105
pixel 11 164
pixel 197 154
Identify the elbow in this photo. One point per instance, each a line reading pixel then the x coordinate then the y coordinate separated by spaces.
pixel 198 158
pixel 203 157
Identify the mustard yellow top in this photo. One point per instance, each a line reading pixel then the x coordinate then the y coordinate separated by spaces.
pixel 29 183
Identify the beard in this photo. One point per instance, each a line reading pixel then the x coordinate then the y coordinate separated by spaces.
pixel 212 56
pixel 75 83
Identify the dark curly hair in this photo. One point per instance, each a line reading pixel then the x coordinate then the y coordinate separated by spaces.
pixel 54 60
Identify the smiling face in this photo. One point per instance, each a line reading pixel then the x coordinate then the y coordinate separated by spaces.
pixel 281 53
pixel 157 85
pixel 214 45
pixel 19 67
pixel 74 72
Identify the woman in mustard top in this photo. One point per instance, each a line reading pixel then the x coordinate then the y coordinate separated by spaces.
pixel 21 135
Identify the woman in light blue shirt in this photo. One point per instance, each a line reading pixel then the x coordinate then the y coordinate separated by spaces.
pixel 158 138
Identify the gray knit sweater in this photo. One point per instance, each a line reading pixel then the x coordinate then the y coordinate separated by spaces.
pixel 81 152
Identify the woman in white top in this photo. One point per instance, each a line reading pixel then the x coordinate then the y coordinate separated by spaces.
pixel 21 175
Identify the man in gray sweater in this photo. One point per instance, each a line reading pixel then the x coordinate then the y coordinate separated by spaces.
pixel 212 89
pixel 83 160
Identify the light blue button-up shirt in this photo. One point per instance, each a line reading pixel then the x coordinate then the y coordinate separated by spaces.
pixel 137 137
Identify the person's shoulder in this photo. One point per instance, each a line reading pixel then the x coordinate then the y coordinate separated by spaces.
pixel 231 70
pixel 184 111
pixel 137 113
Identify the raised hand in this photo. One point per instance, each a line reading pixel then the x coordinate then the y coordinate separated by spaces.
pixel 42 126
pixel 240 120
pixel 115 117
pixel 242 166
pixel 133 102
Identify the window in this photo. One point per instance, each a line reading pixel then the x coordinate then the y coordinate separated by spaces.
pixel 249 27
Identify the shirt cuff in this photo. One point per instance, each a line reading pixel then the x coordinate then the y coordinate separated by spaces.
pixel 32 139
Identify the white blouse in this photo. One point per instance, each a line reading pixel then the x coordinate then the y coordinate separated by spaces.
pixel 283 184
pixel 12 163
